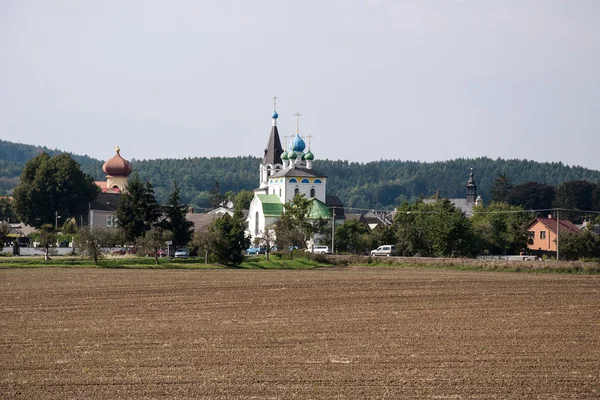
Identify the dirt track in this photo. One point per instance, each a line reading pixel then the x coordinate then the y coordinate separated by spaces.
pixel 322 334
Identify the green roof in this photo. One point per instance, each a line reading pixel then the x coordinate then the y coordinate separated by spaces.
pixel 271 205
pixel 318 209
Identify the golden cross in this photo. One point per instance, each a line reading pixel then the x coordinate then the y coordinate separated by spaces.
pixel 297 115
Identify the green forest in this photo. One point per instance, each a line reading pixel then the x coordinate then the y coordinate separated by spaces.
pixel 380 184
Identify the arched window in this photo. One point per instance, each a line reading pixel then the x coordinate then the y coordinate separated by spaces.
pixel 305 181
pixel 256 224
pixel 318 181
pixel 279 192
pixel 312 192
pixel 296 192
pixel 268 172
pixel 293 180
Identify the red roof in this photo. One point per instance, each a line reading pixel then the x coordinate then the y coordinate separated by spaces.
pixel 550 223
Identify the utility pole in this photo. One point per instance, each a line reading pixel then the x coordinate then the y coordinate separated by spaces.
pixel 333 232
pixel 557 228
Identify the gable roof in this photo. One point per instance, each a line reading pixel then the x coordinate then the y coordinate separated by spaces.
pixel 550 223
pixel 271 205
pixel 201 221
pixel 334 201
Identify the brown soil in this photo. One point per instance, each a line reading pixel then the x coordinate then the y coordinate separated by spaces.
pixel 377 333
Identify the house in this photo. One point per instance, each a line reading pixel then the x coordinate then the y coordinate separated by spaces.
pixel 542 232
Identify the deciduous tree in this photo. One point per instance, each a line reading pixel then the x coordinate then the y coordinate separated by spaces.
pixel 50 187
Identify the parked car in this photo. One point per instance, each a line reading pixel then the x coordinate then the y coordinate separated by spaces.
pixel 319 250
pixel 182 253
pixel 385 250
pixel 256 250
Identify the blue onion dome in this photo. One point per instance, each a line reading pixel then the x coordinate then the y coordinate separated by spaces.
pixel 309 156
pixel 274 115
pixel 298 144
pixel 292 155
pixel 284 155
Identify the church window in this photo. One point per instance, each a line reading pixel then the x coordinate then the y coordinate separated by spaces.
pixel 279 192
pixel 318 181
pixel 305 181
pixel 312 192
pixel 296 192
pixel 293 180
pixel 256 224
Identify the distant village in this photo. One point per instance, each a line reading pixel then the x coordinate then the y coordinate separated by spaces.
pixel 289 180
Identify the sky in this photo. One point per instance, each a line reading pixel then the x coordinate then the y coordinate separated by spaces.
pixel 377 79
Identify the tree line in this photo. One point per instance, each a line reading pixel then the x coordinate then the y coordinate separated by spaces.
pixel 374 185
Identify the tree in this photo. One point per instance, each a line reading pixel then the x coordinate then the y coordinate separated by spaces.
pixel 297 217
pixel 532 196
pixel 215 198
pixel 243 199
pixel 50 187
pixel 501 228
pixel 575 195
pixel 91 241
pixel 4 232
pixel 576 245
pixel 434 229
pixel 153 240
pixel 175 219
pixel 46 237
pixel 266 240
pixel 352 237
pixel 138 209
pixel 7 213
pixel 228 238
pixel 501 188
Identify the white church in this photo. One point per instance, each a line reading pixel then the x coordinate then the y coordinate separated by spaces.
pixel 284 174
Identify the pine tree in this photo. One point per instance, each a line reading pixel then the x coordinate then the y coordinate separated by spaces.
pixel 138 209
pixel 175 220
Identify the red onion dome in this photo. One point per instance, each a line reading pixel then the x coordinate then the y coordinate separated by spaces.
pixel 117 166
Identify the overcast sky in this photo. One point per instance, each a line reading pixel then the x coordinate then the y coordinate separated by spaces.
pixel 410 80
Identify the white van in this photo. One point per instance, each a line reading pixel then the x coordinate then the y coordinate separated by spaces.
pixel 385 250
pixel 319 250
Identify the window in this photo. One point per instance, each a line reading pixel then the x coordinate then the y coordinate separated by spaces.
pixel 312 192
pixel 305 181
pixel 256 224
pixel 279 192
pixel 111 221
pixel 542 234
pixel 293 180
pixel 296 192
pixel 531 234
pixel 318 181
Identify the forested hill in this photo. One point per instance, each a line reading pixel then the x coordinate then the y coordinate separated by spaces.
pixel 378 184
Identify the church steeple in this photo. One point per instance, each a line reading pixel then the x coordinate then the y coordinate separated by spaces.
pixel 471 188
pixel 272 157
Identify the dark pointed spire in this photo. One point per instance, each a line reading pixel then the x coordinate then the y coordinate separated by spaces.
pixel 274 150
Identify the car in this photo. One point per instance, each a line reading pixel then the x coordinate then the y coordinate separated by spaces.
pixel 256 250
pixel 319 250
pixel 182 253
pixel 385 250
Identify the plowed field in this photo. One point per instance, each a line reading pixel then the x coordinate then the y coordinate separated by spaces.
pixel 378 333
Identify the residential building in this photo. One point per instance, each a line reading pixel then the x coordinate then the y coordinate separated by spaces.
pixel 543 231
